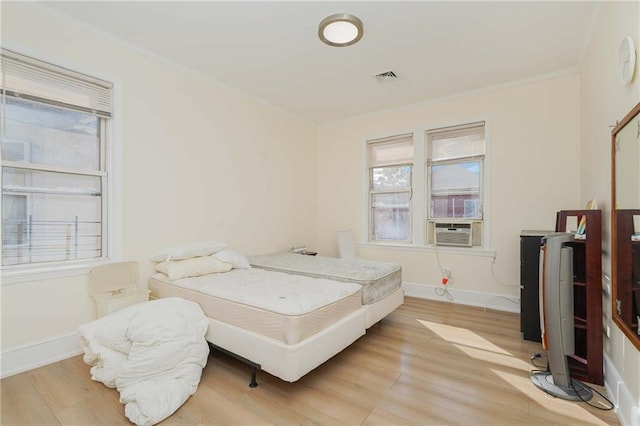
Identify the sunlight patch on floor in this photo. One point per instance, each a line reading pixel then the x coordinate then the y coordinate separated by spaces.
pixel 574 409
pixel 462 337
pixel 501 359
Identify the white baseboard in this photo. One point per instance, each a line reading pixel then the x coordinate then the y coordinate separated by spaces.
pixel 498 302
pixel 37 354
pixel 627 410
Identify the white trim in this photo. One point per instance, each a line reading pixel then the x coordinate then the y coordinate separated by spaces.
pixel 38 354
pixel 498 302
pixel 47 272
pixel 464 251
pixel 627 411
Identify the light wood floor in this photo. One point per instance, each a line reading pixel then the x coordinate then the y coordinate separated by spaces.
pixel 427 363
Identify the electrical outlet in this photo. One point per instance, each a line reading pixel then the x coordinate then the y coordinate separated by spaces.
pixel 447 272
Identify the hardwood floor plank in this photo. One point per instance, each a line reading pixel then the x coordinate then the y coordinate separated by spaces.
pixel 380 417
pixel 426 363
pixel 22 404
pixel 93 411
pixel 61 386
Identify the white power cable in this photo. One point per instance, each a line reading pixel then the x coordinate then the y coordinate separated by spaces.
pixel 442 291
pixel 498 280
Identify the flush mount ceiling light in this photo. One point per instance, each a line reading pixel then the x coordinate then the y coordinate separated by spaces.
pixel 340 30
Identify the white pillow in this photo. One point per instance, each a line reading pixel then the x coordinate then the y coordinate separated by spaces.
pixel 193 267
pixel 236 259
pixel 187 251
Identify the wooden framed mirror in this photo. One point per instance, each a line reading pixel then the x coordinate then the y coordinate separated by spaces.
pixel 625 224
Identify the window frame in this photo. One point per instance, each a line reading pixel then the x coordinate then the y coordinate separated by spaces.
pixel 111 185
pixel 421 222
pixel 397 139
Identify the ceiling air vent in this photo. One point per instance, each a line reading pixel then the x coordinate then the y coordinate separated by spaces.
pixel 386 76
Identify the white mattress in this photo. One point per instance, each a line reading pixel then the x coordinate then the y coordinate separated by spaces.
pixel 280 306
pixel 378 279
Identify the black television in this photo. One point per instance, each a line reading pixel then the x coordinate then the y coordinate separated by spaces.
pixel 556 320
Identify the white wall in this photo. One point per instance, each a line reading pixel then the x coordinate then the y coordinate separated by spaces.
pixel 534 170
pixel 605 101
pixel 199 161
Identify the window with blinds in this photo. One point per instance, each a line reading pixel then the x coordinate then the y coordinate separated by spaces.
pixel 390 163
pixel 54 168
pixel 455 162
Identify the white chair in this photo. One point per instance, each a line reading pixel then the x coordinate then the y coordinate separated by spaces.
pixel 346 247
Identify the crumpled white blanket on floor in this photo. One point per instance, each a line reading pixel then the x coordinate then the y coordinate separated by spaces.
pixel 152 352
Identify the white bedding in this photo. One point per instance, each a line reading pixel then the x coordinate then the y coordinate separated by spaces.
pixel 152 352
pixel 378 279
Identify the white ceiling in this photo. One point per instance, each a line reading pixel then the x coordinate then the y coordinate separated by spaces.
pixel 271 49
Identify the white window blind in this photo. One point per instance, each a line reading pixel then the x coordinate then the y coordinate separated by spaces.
pixel 390 151
pixel 457 142
pixel 31 79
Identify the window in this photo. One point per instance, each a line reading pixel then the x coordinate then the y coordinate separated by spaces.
pixel 455 158
pixel 54 169
pixel 428 188
pixel 390 163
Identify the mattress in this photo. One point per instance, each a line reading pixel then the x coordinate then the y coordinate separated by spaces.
pixel 378 279
pixel 280 306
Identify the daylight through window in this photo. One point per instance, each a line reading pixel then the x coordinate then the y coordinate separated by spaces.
pixel 54 171
pixel 455 158
pixel 390 163
pixel 428 187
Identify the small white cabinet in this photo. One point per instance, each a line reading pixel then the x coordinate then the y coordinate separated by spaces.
pixel 114 286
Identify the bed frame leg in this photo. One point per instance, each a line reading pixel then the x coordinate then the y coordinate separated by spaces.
pixel 252 365
pixel 253 383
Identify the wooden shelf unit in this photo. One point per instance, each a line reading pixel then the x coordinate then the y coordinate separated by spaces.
pixel 628 268
pixel 587 363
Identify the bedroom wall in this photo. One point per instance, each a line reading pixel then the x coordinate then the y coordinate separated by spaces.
pixel 199 161
pixel 534 170
pixel 604 101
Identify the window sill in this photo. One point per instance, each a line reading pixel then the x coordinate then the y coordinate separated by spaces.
pixel 25 273
pixel 464 251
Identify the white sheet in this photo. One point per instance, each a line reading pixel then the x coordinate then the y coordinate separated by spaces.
pixel 152 352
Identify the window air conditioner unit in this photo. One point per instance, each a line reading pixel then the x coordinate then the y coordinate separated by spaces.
pixel 453 234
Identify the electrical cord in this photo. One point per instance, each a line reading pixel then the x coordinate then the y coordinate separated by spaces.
pixel 486 305
pixel 498 280
pixel 534 356
pixel 541 369
pixel 609 408
pixel 442 291
pixel 435 250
